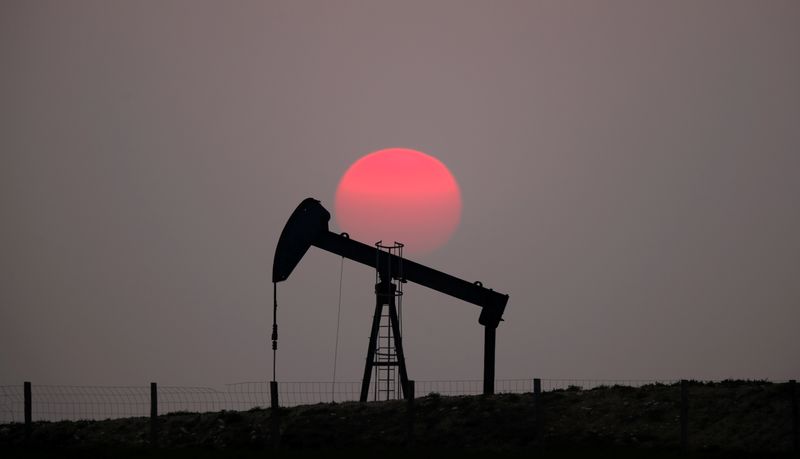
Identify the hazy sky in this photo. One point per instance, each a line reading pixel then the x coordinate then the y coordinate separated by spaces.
pixel 630 174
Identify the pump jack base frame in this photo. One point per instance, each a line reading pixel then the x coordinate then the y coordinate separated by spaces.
pixel 385 296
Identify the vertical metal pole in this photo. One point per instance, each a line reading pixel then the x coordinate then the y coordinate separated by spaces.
pixel 488 359
pixel 153 414
pixel 28 410
pixel 274 414
pixel 410 413
pixel 380 291
pixel 795 415
pixel 273 394
pixel 684 414
pixel 537 409
pixel 398 347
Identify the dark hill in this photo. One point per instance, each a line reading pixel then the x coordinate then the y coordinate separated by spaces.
pixel 725 419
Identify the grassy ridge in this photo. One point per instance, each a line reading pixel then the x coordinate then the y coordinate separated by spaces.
pixel 728 418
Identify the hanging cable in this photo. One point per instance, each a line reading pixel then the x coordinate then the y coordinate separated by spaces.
pixel 338 317
pixel 274 327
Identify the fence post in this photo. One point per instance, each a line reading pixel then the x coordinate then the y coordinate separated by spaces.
pixel 28 410
pixel 684 414
pixel 410 412
pixel 537 410
pixel 153 415
pixel 273 394
pixel 795 415
pixel 274 414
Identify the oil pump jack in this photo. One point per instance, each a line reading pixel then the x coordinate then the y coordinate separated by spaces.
pixel 308 226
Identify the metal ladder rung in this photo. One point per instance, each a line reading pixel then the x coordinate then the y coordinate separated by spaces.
pixel 386 363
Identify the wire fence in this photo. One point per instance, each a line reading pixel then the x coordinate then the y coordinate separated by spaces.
pixel 519 386
pixel 61 402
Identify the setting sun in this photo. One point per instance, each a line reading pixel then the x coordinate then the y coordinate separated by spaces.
pixel 399 194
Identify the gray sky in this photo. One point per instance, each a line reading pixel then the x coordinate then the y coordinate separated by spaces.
pixel 630 174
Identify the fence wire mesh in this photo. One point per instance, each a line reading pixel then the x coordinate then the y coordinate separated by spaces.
pixel 54 403
pixel 59 402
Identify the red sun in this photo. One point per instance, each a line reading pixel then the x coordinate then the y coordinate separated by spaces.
pixel 402 195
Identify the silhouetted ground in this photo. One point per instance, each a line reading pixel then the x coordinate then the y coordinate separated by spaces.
pixel 725 419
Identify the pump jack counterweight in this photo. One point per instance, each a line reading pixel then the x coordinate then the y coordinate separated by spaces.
pixel 308 226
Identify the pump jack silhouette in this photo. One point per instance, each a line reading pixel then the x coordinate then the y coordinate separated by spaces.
pixel 308 225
